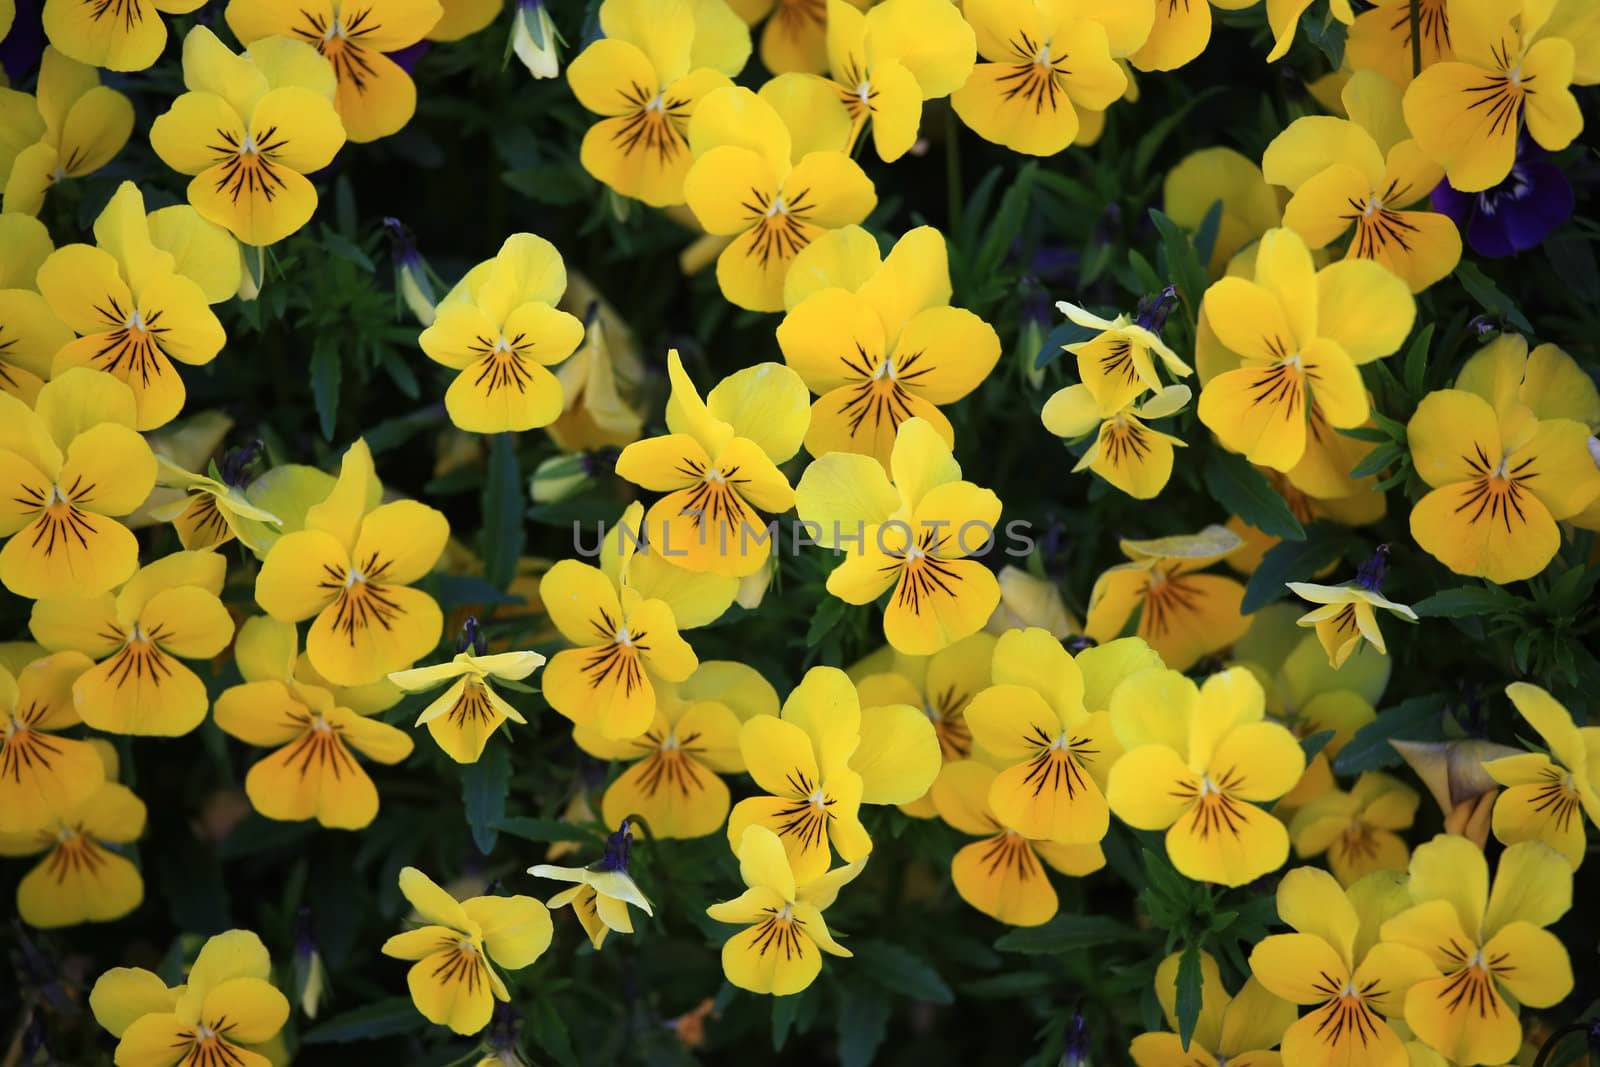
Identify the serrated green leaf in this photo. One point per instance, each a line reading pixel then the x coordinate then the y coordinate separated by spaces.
pixel 1468 600
pixel 1189 993
pixel 1416 361
pixel 863 1023
pixel 900 971
pixel 1377 461
pixel 1242 489
pixel 385 1018
pixel 1293 561
pixel 1417 719
pixel 1315 743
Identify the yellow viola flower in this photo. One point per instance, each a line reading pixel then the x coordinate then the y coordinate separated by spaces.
pixel 1183 615
pixel 672 780
pixel 30 333
pixel 225 1012
pixel 780 950
pixel 454 982
pixel 250 128
pixel 744 184
pixel 500 329
pixel 85 126
pixel 314 729
pixel 647 77
pixel 1027 600
pixel 467 714
pixel 42 775
pixel 1335 961
pixel 375 96
pixel 1199 759
pixel 1116 363
pixel 1298 330
pixel 890 350
pixel 1343 176
pixel 168 612
pixel 1466 113
pixel 718 465
pixel 81 879
pixel 70 466
pixel 1055 752
pixel 1125 452
pixel 351 569
pixel 1179 33
pixel 133 313
pixel 1250 206
pixel 601 381
pixel 695 599
pixel 1240 1029
pixel 1003 875
pixel 1026 93
pixel 887 61
pixel 1348 616
pixel 1546 796
pixel 213 511
pixel 117 36
pixel 1380 38
pixel 795 36
pixel 201 251
pixel 1357 830
pixel 602 891
pixel 1490 944
pixel 463 18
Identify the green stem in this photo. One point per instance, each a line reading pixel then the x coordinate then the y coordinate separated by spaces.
pixel 1416 37
pixel 952 166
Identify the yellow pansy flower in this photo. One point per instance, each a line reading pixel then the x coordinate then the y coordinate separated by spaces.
pixel 1180 32
pixel 780 950
pixel 602 891
pixel 1343 175
pixel 647 77
pixel 463 18
pixel 454 982
pixel 250 128
pixel 500 328
pixel 886 351
pixel 42 775
pixel 467 714
pixel 1198 761
pixel 80 879
pixel 1466 113
pixel 201 251
pixel 1358 829
pixel 672 779
pixel 744 184
pixel 1490 943
pixel 1299 331
pixel 313 727
pixel 1240 1029
pixel 225 1012
pixel 1003 875
pixel 887 61
pixel 351 569
pixel 375 95
pixel 1116 363
pixel 169 611
pixel 118 36
pixel 1334 961
pixel 68 467
pixel 1125 452
pixel 1347 616
pixel 1182 614
pixel 30 333
pixel 1250 206
pixel 627 558
pixel 85 126
pixel 718 465
pixel 133 313
pixel 1546 796
pixel 795 36
pixel 1380 38
pixel 213 511
pixel 912 536
pixel 1055 752
pixel 601 381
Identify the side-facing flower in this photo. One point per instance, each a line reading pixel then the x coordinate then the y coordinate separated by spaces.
pixel 213 511
pixel 1546 796
pixel 464 717
pixel 1119 362
pixel 117 36
pixel 1198 761
pixel 351 569
pixel 314 728
pixel 780 950
pixel 718 465
pixel 886 351
pixel 603 890
pixel 499 327
pixel 168 612
pixel 1358 829
pixel 1489 943
pixel 454 982
pixel 85 126
pixel 912 536
pixel 250 128
pixel 42 775
pixel 1334 961
pixel 1241 1029
pixel 1348 614
pixel 1125 452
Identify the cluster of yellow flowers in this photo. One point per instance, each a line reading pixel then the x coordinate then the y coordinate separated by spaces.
pixel 974 711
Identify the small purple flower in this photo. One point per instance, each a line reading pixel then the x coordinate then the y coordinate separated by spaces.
pixel 1516 215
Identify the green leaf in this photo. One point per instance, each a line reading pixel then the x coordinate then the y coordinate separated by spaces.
pixel 1183 263
pixel 1378 460
pixel 326 374
pixel 346 249
pixel 1242 489
pixel 1328 34
pixel 863 1021
pixel 385 1018
pixel 1064 933
pixel 1365 433
pixel 1068 333
pixel 899 971
pixel 1468 600
pixel 1293 561
pixel 784 1012
pixel 1315 743
pixel 1416 361
pixel 1490 297
pixel 530 828
pixel 1205 236
pixel 483 793
pixel 1417 719
pixel 503 532
pixel 828 614
pixel 1189 992
pixel 549 1030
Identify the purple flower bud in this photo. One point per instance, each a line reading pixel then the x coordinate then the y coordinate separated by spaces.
pixel 618 846
pixel 1370 574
